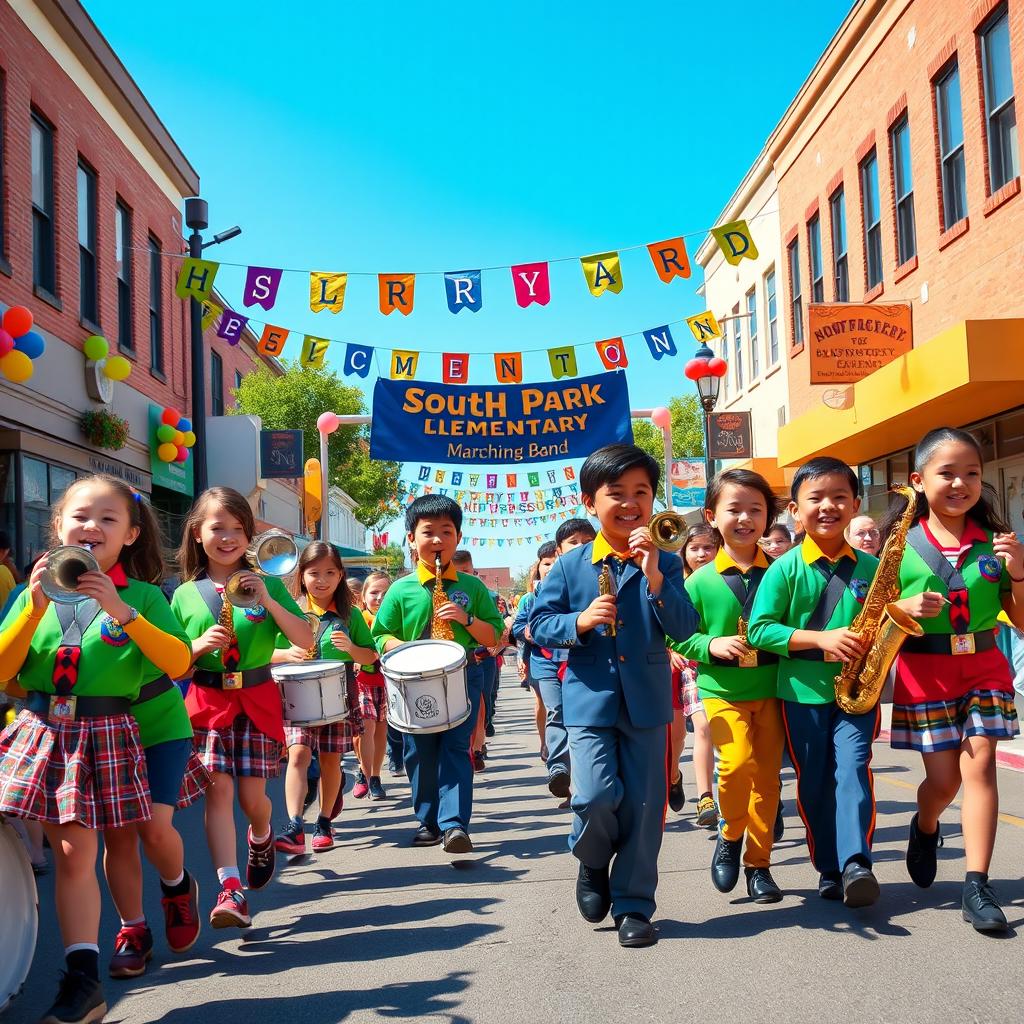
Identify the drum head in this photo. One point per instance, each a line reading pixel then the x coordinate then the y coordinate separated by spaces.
pixel 423 656
pixel 21 913
pixel 307 669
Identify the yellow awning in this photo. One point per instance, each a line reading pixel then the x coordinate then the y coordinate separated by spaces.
pixel 777 477
pixel 972 370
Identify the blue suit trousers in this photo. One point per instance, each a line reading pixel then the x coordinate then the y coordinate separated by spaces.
pixel 556 739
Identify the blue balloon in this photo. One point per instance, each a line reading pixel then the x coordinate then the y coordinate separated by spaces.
pixel 184 425
pixel 32 344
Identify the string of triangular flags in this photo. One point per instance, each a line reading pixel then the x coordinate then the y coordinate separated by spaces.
pixel 508 502
pixel 492 481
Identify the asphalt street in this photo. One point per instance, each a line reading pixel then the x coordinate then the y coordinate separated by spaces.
pixel 374 930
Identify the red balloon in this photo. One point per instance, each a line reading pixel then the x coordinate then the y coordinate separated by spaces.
pixel 182 454
pixel 695 369
pixel 17 321
pixel 6 343
pixel 718 366
pixel 170 417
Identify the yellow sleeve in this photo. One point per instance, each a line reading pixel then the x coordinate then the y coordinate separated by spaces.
pixel 166 652
pixel 16 639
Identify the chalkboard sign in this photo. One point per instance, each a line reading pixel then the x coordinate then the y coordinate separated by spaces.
pixel 729 436
pixel 281 454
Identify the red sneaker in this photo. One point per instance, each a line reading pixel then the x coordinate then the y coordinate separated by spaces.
pixel 181 918
pixel 323 837
pixel 232 910
pixel 291 840
pixel 361 788
pixel 133 949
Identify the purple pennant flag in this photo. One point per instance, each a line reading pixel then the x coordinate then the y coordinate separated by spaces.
pixel 261 284
pixel 231 326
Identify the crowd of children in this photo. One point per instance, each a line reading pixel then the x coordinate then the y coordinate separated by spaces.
pixel 625 646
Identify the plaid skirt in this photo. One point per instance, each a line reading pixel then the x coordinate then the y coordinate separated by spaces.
pixel 241 750
pixel 91 771
pixel 373 702
pixel 195 782
pixel 334 738
pixel 944 724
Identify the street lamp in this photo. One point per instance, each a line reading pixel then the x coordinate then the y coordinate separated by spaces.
pixel 197 217
pixel 706 370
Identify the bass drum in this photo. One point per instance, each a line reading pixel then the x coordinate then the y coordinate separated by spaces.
pixel 21 913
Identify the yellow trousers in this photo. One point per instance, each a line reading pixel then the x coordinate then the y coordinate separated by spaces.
pixel 748 736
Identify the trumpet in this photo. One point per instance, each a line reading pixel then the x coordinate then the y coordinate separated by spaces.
pixel 271 553
pixel 65 566
pixel 668 530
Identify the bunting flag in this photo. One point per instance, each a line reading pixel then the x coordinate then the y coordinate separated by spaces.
pixel 231 326
pixel 670 259
pixel 612 353
pixel 570 473
pixel 508 367
pixel 455 367
pixel 563 361
pixel 211 311
pixel 357 360
pixel 272 341
pixel 439 477
pixel 456 478
pixel 531 284
pixel 463 291
pixel 314 351
pixel 424 472
pixel 403 364
pixel 261 285
pixel 659 341
pixel 602 273
pixel 735 241
pixel 704 326
pixel 327 291
pixel 492 479
pixel 195 279
pixel 396 291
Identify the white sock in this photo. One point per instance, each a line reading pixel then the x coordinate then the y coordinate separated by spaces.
pixel 172 882
pixel 75 946
pixel 132 924
pixel 223 874
pixel 260 840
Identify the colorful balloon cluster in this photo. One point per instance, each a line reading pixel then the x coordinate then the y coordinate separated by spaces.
pixel 116 367
pixel 19 345
pixel 174 437
pixel 705 364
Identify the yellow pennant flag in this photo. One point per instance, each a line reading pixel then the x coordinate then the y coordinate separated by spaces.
pixel 602 273
pixel 211 312
pixel 327 291
pixel 735 241
pixel 314 352
pixel 704 326
pixel 403 364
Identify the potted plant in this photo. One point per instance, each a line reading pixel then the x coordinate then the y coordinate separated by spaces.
pixel 104 429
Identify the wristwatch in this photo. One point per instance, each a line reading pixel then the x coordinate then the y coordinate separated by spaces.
pixel 469 620
pixel 133 614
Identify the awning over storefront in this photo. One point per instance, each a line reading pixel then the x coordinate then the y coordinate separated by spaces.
pixel 972 370
pixel 778 477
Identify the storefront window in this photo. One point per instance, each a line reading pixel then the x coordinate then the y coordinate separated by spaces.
pixel 36 520
pixel 8 506
pixel 899 470
pixel 1010 435
pixel 874 488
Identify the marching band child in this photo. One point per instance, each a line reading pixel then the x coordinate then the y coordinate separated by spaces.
pixel 73 758
pixel 440 770
pixel 737 683
pixel 953 698
pixel 611 605
pixel 375 586
pixel 341 636
pixel 233 701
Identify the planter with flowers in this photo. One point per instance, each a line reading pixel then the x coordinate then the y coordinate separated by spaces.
pixel 104 429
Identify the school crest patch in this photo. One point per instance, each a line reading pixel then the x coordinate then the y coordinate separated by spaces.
pixel 255 614
pixel 112 632
pixel 859 589
pixel 459 597
pixel 990 567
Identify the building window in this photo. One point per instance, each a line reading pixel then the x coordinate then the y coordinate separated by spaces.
pixel 238 380
pixel 773 317
pixel 156 306
pixel 88 306
pixel 796 304
pixel 872 221
pixel 903 189
pixel 123 257
pixel 951 148
pixel 755 357
pixel 1000 112
pixel 840 262
pixel 216 384
pixel 737 346
pixel 44 256
pixel 817 273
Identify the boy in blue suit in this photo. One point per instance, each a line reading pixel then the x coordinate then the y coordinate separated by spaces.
pixel 616 693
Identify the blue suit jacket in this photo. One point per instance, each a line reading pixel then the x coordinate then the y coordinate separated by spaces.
pixel 632 666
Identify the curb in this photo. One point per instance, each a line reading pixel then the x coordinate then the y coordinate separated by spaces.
pixel 1012 760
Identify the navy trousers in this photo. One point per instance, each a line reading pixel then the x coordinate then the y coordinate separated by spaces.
pixel 439 768
pixel 491 678
pixel 556 739
pixel 831 752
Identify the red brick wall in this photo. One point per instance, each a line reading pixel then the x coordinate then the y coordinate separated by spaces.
pixel 965 269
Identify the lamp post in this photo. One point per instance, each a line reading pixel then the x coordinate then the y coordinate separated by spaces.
pixel 197 214
pixel 706 370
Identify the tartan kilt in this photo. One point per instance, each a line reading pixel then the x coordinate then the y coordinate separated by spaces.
pixel 195 782
pixel 241 750
pixel 91 771
pixel 334 738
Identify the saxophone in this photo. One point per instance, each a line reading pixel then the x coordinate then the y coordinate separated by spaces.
pixel 882 625
pixel 227 621
pixel 605 586
pixel 313 651
pixel 440 629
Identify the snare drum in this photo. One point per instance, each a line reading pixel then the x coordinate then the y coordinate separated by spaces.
pixel 21 913
pixel 312 692
pixel 426 684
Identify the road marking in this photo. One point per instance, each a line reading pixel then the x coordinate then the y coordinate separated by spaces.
pixel 1008 819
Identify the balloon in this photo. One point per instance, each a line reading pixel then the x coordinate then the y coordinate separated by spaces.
pixel 167 453
pixel 17 321
pixel 96 347
pixel 32 344
pixel 6 342
pixel 170 416
pixel 661 417
pixel 182 454
pixel 16 367
pixel 178 439
pixel 190 439
pixel 327 422
pixel 184 425
pixel 695 369
pixel 718 366
pixel 117 368
pixel 165 434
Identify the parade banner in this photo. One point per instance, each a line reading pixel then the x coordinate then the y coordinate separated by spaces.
pixel 849 342
pixel 729 436
pixel 499 425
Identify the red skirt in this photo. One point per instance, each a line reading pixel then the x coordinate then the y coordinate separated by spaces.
pixel 240 749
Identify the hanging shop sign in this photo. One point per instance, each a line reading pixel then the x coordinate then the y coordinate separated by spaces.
pixel 849 342
pixel 729 436
pixel 281 454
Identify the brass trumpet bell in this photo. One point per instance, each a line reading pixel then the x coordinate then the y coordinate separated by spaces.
pixel 668 530
pixel 64 567
pixel 273 553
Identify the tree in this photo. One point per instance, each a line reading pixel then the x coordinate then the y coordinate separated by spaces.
pixel 293 401
pixel 521 580
pixel 395 554
pixel 687 431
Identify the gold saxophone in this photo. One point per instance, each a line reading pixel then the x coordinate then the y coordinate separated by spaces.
pixel 882 626
pixel 313 650
pixel 227 621
pixel 605 586
pixel 440 629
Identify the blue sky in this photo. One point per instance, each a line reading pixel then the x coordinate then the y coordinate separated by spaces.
pixel 415 137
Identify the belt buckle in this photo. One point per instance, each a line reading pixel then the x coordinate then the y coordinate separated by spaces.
pixel 62 708
pixel 232 681
pixel 961 643
pixel 748 659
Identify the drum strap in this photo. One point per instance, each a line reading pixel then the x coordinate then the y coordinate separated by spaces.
pixel 74 620
pixel 952 578
pixel 212 597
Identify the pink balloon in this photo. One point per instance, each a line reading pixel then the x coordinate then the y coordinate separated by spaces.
pixel 327 422
pixel 6 343
pixel 182 454
pixel 718 366
pixel 661 417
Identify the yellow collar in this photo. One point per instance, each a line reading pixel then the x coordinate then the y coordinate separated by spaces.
pixel 602 549
pixel 425 573
pixel 811 552
pixel 317 610
pixel 723 561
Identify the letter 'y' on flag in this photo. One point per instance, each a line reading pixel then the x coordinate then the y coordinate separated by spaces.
pixel 464 291
pixel 396 291
pixel 735 241
pixel 670 259
pixel 327 291
pixel 602 273
pixel 531 283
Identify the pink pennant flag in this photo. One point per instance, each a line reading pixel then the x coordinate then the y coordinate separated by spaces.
pixel 531 283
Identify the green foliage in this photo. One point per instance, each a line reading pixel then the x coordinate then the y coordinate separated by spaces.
pixel 687 431
pixel 104 429
pixel 521 580
pixel 396 556
pixel 294 401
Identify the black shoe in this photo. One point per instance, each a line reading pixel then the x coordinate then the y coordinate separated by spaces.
pixel 981 909
pixel 426 836
pixel 830 885
pixel 489 730
pixel 761 887
pixel 676 796
pixel 780 824
pixel 259 868
pixel 921 854
pixel 377 791
pixel 725 864
pixel 558 784
pixel 860 887
pixel 593 893
pixel 635 931
pixel 79 1000
pixel 456 840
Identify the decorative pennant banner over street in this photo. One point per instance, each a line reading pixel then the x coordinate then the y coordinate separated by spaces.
pixel 499 425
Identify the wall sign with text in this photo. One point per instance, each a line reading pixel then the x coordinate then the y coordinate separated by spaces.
pixel 848 342
pixel 281 454
pixel 729 436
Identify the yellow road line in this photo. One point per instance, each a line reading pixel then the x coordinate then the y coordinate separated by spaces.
pixel 1008 819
